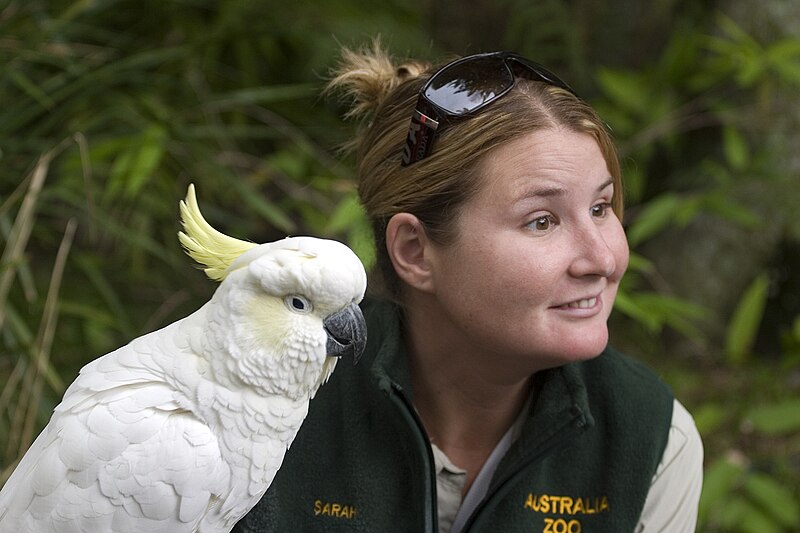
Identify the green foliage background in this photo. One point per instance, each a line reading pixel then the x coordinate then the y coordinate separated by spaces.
pixel 110 108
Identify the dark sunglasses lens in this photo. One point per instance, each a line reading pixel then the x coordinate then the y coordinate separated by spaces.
pixel 465 86
pixel 525 68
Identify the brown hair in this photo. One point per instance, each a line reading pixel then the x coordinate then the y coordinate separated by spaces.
pixel 384 96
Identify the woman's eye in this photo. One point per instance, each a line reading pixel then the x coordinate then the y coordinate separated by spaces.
pixel 600 210
pixel 542 223
pixel 297 303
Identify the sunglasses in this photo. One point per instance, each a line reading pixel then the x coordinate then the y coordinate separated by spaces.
pixel 464 87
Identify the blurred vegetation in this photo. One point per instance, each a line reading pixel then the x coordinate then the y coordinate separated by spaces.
pixel 111 107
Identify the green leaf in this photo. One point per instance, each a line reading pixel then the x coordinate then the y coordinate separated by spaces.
pixel 751 72
pixel 74 10
pixel 743 327
pixel 626 89
pixel 101 284
pixel 687 210
pixel 654 217
pixel 740 515
pixel 33 90
pixel 146 159
pixel 635 182
pixel 780 418
pixel 736 150
pixel 718 172
pixel 677 313
pixel 709 417
pixel 639 263
pixel 784 56
pixel 723 205
pixel 265 208
pixel 789 72
pixel 774 498
pixel 16 326
pixel 134 166
pixel 628 305
pixel 360 240
pixel 735 32
pixel 264 95
pixel 784 50
pixel 119 172
pixel 750 519
pixel 346 215
pixel 719 481
pixel 349 218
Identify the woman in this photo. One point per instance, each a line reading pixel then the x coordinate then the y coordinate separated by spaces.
pixel 488 399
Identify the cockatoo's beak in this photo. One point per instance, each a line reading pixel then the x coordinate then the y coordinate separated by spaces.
pixel 347 332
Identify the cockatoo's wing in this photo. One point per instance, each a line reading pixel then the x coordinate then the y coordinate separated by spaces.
pixel 119 455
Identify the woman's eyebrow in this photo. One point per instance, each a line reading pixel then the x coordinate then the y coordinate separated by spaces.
pixel 605 184
pixel 545 191
pixel 536 192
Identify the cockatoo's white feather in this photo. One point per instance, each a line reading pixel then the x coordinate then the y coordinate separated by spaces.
pixel 183 429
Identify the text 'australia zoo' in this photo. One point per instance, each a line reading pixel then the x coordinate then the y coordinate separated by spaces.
pixel 567 507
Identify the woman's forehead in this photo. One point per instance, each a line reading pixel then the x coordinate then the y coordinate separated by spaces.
pixel 544 163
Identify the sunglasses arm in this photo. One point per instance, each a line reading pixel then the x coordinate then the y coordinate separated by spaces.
pixel 421 133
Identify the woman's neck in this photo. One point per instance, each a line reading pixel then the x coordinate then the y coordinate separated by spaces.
pixel 466 399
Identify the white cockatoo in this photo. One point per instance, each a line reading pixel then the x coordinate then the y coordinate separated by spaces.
pixel 183 429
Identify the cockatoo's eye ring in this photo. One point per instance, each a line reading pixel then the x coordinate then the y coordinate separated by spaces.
pixel 298 304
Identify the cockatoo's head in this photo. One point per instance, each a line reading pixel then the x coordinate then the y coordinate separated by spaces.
pixel 285 311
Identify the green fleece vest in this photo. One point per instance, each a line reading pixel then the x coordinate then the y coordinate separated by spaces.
pixel 583 463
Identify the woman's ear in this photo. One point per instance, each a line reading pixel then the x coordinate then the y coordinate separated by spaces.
pixel 409 250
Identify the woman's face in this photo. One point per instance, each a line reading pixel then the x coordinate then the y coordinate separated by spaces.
pixel 539 253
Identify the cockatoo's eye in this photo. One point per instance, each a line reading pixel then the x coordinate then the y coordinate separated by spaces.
pixel 297 303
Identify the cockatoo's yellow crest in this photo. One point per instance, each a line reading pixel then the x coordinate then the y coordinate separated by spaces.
pixel 212 249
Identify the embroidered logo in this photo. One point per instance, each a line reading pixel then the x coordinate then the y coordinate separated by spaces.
pixel 568 507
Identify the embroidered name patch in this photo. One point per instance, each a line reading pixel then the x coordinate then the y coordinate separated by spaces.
pixel 335 510
pixel 568 507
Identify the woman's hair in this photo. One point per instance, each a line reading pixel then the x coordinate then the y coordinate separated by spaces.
pixel 384 95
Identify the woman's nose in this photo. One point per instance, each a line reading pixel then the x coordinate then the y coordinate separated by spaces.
pixel 595 252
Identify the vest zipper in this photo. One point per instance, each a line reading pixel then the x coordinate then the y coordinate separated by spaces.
pixel 499 490
pixel 421 437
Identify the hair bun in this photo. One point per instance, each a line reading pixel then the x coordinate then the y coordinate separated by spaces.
pixel 369 75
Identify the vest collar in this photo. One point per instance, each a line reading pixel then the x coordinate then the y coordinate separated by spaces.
pixel 560 397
